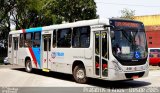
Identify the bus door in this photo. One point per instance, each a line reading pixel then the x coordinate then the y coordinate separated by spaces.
pixel 15 49
pixel 46 43
pixel 101 54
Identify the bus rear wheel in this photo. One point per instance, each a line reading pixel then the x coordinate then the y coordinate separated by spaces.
pixel 79 74
pixel 28 65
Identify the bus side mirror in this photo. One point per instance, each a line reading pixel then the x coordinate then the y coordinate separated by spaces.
pixel 112 35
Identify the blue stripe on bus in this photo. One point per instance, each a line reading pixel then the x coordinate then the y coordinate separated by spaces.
pixel 36 51
pixel 34 29
pixel 37 55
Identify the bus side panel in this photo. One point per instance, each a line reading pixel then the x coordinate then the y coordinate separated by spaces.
pixel 62 60
pixel 24 53
pixel 10 48
pixel 36 57
pixel 10 55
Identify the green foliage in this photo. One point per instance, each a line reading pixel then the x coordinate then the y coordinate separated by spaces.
pixel 35 13
pixel 73 10
pixel 5 7
pixel 127 14
pixel 31 13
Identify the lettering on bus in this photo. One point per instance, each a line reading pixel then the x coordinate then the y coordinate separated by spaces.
pixel 127 24
pixel 57 54
pixel 78 57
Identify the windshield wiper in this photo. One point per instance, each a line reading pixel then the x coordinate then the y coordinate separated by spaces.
pixel 126 36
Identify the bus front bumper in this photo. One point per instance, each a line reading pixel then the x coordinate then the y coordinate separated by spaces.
pixel 128 75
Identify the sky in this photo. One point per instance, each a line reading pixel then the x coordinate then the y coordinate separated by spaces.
pixel 112 8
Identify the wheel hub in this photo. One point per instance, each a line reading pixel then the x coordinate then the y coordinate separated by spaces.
pixel 80 74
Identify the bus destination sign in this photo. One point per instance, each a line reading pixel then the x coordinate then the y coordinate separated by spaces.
pixel 127 24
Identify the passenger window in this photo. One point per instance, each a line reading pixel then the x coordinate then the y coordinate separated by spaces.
pixel 15 41
pixel 81 37
pixel 10 40
pixel 64 38
pixel 28 40
pixel 54 39
pixel 37 39
pixel 45 44
pixel 21 41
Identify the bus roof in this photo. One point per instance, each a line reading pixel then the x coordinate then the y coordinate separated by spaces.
pixel 102 21
pixel 125 20
pixel 66 25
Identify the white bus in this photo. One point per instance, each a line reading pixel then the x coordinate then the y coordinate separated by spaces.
pixel 108 49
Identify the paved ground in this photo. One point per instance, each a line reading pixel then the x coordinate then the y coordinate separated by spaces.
pixel 15 76
pixel 19 78
pixel 14 79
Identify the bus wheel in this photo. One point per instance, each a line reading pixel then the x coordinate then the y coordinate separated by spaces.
pixel 79 74
pixel 28 65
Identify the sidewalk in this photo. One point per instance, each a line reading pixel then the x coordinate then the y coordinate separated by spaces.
pixel 154 67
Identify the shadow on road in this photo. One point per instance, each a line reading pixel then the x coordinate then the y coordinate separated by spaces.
pixel 118 84
pixel 93 82
pixel 48 74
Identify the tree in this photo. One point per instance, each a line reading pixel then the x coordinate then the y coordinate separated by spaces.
pixel 127 14
pixel 5 7
pixel 31 13
pixel 35 13
pixel 73 10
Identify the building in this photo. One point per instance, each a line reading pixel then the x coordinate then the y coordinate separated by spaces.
pixel 152 28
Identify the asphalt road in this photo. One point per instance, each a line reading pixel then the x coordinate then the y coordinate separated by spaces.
pixel 15 76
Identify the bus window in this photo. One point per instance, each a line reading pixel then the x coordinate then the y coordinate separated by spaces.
pixel 64 38
pixel 97 44
pixel 15 43
pixel 10 40
pixel 21 41
pixel 158 55
pixel 54 39
pixel 37 38
pixel 45 44
pixel 104 45
pixel 81 37
pixel 154 53
pixel 28 39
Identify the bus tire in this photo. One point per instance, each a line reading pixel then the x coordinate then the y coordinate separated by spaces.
pixel 28 65
pixel 79 74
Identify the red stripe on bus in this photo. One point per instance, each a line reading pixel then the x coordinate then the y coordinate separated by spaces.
pixel 31 51
pixel 33 56
pixel 23 30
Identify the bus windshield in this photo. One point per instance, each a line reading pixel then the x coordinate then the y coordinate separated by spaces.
pixel 129 44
